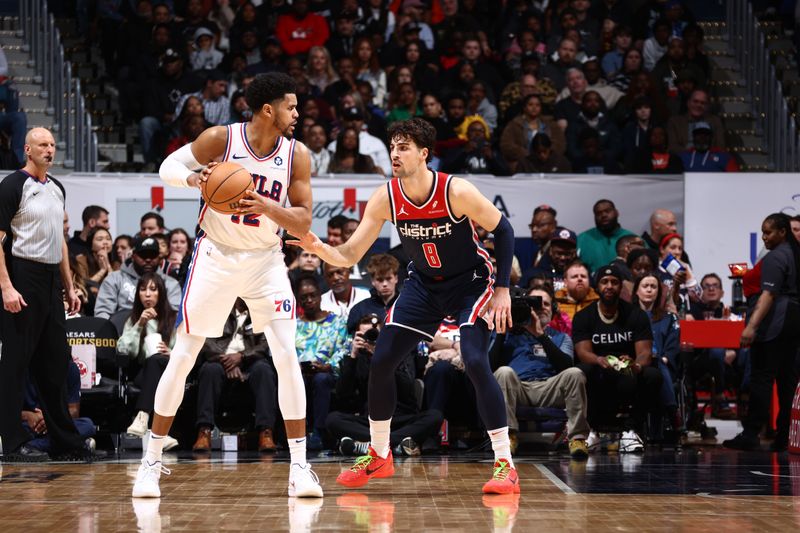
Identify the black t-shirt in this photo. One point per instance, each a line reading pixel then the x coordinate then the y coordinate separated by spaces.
pixel 778 276
pixel 617 338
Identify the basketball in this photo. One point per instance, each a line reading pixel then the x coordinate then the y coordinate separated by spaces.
pixel 226 185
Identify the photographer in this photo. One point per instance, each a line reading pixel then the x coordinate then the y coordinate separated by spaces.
pixel 614 344
pixel 409 428
pixel 476 156
pixel 538 368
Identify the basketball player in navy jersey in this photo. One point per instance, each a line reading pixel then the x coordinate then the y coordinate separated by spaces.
pixel 450 274
pixel 240 255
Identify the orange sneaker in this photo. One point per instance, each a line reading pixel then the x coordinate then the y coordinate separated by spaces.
pixel 504 479
pixel 365 468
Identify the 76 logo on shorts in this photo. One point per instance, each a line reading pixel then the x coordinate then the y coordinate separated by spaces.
pixel 284 306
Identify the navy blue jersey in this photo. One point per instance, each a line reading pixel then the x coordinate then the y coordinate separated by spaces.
pixel 440 245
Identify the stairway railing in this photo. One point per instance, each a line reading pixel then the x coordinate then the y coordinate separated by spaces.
pixel 72 122
pixel 747 41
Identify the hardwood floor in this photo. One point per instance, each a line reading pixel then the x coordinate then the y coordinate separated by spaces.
pixel 661 491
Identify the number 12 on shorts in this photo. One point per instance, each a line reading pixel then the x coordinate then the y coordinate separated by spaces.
pixel 431 255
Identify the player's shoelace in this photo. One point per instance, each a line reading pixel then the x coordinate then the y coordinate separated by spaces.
pixel 312 474
pixel 361 463
pixel 501 471
pixel 161 468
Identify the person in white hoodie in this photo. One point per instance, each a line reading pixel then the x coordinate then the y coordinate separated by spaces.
pixel 205 56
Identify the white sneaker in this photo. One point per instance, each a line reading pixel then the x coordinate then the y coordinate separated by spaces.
pixel 146 485
pixel 630 442
pixel 593 441
pixel 169 443
pixel 303 482
pixel 139 425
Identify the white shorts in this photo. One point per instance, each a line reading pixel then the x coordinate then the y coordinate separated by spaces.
pixel 219 273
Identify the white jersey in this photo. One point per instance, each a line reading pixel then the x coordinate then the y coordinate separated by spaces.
pixel 271 176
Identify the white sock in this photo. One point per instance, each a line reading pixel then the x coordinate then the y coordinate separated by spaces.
pixel 154 446
pixel 297 451
pixel 501 444
pixel 379 436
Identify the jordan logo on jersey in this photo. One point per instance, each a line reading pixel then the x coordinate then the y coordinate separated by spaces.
pixel 402 210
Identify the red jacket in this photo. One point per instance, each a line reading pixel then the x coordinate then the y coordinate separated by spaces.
pixel 298 36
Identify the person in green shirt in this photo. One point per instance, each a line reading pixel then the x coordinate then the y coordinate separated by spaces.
pixel 597 246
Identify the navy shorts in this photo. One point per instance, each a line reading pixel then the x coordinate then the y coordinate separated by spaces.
pixel 424 303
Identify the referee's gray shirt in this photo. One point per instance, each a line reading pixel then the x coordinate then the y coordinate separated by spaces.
pixel 32 215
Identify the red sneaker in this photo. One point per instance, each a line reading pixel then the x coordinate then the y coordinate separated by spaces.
pixel 365 468
pixel 504 479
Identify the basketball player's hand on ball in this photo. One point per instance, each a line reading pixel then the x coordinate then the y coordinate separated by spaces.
pixel 253 203
pixel 500 310
pixel 197 180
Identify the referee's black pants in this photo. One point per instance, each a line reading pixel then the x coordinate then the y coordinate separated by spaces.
pixel 35 341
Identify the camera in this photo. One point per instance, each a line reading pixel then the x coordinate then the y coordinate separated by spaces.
pixel 521 307
pixel 370 336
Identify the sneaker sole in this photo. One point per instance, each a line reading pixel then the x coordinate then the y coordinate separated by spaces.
pixel 144 494
pixel 498 490
pixel 311 492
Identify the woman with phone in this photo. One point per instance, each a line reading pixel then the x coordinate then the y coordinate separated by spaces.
pixel 683 286
pixel 773 334
pixel 147 338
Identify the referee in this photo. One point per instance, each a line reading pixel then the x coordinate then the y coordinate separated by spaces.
pixel 34 270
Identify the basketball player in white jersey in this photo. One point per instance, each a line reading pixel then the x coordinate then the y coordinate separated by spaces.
pixel 240 255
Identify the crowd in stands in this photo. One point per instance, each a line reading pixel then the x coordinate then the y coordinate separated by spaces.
pixel 550 359
pixel 584 86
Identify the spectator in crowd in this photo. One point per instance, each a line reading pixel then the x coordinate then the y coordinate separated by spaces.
pixel 662 222
pixel 795 223
pixel 517 135
pixel 13 122
pixel 237 356
pixel 612 327
pixel 342 295
pixel 319 69
pixel 368 68
pixel 410 426
pixel 537 370
pixel 556 71
pixel 348 157
pixel 477 156
pixel 122 248
pixel 684 287
pixel 415 10
pixel 613 61
pixel 320 156
pixel 321 343
pixel 568 104
pixel 97 264
pixel 693 39
pixel 593 81
pixel 641 86
pixel 93 216
pixel 680 128
pixel 562 250
pixel 300 30
pixel 543 224
pixel 701 156
pixel 656 46
pixel 378 20
pixel 594 156
pixel 341 42
pixel 405 105
pixel 597 246
pixel 205 56
pixel 632 65
pixel 152 317
pixel 636 132
pixel 33 419
pixel 673 62
pixel 180 245
pixel 577 293
pixel 367 144
pixel 773 334
pixel 592 116
pixel 655 158
pixel 160 99
pixel 424 72
pixel 382 269
pixel 306 263
pixel 542 158
pixel 216 104
pixel 624 246
pixel 118 290
pixel 334 230
pixel 190 128
pixel 150 224
pixel 479 104
pixel 511 102
pixel 718 361
pixel 648 295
